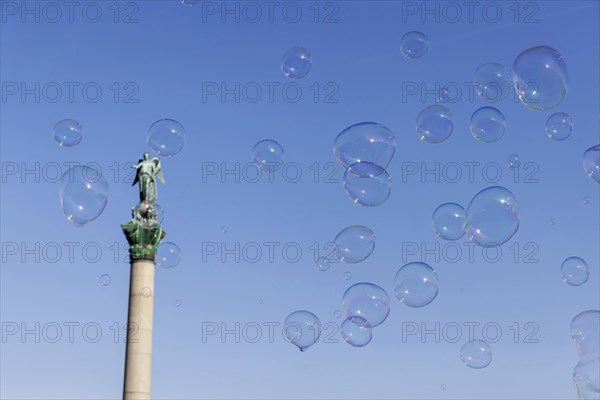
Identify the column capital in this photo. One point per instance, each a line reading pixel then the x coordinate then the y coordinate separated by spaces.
pixel 143 239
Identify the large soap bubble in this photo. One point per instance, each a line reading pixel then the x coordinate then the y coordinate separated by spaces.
pixel 488 124
pixel 416 284
pixel 540 78
pixel 449 221
pixel 68 132
pixel 367 141
pixel 492 82
pixel 575 271
pixel 414 44
pixel 368 301
pixel 354 244
pixel 296 63
pixel 268 155
pixel 302 328
pixel 476 354
pixel 356 331
pixel 492 216
pixel 168 255
pixel 367 184
pixel 585 332
pixel 435 123
pixel 166 137
pixel 591 162
pixel 559 126
pixel 83 194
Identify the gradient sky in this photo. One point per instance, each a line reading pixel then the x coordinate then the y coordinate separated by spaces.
pixel 163 59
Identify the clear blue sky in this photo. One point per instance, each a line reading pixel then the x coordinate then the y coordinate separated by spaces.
pixel 166 59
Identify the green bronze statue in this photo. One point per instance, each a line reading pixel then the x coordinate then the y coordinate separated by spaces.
pixel 147 170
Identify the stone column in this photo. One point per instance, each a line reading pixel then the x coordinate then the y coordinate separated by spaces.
pixel 143 237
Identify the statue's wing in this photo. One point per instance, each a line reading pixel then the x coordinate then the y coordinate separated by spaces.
pixel 137 175
pixel 158 170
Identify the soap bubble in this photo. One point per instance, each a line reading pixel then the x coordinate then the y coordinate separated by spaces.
pixel 514 161
pixel 476 354
pixel 366 141
pixel 356 331
pixel 443 387
pixel 585 332
pixel 146 292
pixel 492 82
pixel 190 3
pixel 149 213
pixel 261 301
pixel 585 200
pixel 552 221
pixel 414 45
pixel 347 276
pixel 449 221
pixel 337 314
pixel 166 137
pixel 368 301
pixel 296 63
pixel 488 124
pixel 178 303
pixel 323 264
pixel 575 271
pixel 354 244
pixel 367 184
pixel 559 126
pixel 268 155
pixel 591 162
pixel 105 280
pixel 540 78
pixel 168 255
pixel 83 194
pixel 224 229
pixel 492 216
pixel 68 132
pixel 416 284
pixel 302 328
pixel 435 123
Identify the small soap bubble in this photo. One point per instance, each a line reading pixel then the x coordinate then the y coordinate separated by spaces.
pixel 302 328
pixel 514 161
pixel 296 63
pixel 435 123
pixel 414 45
pixel 540 78
pixel 166 137
pixel 368 301
pixel 105 279
pixel 559 126
pixel 260 301
pixel 190 3
pixel 449 221
pixel 337 314
pixel 148 213
pixel 585 200
pixel 591 162
pixel 168 255
pixel 354 244
pixel 443 387
pixel 224 229
pixel 488 124
pixel 356 331
pixel 268 155
pixel 552 221
pixel 347 276
pixel 575 271
pixel 367 184
pixel 146 292
pixel 365 142
pixel 68 132
pixel 323 264
pixel 476 354
pixel 178 303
